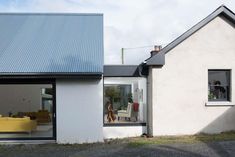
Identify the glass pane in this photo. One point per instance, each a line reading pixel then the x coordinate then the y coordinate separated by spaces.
pixel 26 111
pixel 119 104
pixel 218 85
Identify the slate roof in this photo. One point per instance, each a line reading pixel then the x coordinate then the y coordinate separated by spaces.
pixel 121 71
pixel 222 10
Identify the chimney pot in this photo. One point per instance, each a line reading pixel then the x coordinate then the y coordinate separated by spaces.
pixel 157 48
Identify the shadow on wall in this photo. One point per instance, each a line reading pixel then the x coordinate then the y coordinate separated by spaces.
pixel 209 145
pixel 229 22
pixel 224 122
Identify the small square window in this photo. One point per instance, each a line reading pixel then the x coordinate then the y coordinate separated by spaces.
pixel 219 85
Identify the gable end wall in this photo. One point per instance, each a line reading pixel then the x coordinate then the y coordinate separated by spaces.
pixel 180 87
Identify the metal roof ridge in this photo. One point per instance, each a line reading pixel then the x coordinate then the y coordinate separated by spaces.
pixel 52 13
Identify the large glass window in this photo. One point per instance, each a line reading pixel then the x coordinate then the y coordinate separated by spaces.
pixel 219 85
pixel 123 103
pixel 27 110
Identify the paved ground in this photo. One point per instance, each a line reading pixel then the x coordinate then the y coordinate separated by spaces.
pixel 213 149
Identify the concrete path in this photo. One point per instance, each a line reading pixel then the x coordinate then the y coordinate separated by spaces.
pixel 213 149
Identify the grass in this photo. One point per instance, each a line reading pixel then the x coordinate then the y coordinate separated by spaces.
pixel 140 141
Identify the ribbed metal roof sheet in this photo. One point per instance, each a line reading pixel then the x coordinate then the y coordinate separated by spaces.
pixel 51 43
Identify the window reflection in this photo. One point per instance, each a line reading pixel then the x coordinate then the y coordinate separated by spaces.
pixel 218 85
pixel 119 104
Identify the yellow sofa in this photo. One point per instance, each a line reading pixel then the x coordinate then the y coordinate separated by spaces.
pixel 42 116
pixel 9 124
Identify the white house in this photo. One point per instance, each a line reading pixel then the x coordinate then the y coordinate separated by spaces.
pixel 54 86
pixel 193 91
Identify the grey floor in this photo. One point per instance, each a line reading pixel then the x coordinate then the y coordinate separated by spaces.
pixel 122 120
pixel 45 130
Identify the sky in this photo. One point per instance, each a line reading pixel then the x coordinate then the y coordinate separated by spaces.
pixel 135 25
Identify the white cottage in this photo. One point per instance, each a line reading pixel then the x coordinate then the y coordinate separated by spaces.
pixel 194 91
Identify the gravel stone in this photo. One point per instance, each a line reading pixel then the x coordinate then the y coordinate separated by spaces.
pixel 200 149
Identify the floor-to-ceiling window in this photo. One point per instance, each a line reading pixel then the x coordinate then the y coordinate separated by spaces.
pixel 27 109
pixel 124 100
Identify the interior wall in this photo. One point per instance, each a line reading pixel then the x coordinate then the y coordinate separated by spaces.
pixel 20 98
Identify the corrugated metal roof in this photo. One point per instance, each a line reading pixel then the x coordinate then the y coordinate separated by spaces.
pixel 51 43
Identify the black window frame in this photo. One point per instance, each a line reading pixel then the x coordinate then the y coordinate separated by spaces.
pixel 51 81
pixel 118 124
pixel 229 89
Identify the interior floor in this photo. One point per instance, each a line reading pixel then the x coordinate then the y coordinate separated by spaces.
pixel 45 130
pixel 122 120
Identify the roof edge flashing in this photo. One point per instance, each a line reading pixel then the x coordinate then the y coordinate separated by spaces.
pixel 121 71
pixel 51 13
pixel 222 10
pixel 51 75
pixel 157 59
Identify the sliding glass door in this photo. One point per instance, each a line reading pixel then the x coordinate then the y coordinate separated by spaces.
pixel 27 109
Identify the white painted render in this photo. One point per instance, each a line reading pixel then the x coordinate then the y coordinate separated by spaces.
pixel 113 132
pixel 180 88
pixel 149 104
pixel 79 109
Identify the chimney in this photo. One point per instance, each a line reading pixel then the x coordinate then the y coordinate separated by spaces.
pixel 157 48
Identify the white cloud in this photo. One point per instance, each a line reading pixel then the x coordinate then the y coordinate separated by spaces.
pixel 130 23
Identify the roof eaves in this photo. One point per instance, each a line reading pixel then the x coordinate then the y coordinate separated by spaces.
pixel 51 75
pixel 121 71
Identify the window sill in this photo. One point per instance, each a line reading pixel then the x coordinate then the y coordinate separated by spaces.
pixel 124 124
pixel 220 103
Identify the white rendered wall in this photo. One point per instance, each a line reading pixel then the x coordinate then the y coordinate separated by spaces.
pixel 123 131
pixel 180 87
pixel 79 109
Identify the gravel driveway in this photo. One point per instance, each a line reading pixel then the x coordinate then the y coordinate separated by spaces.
pixel 213 149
